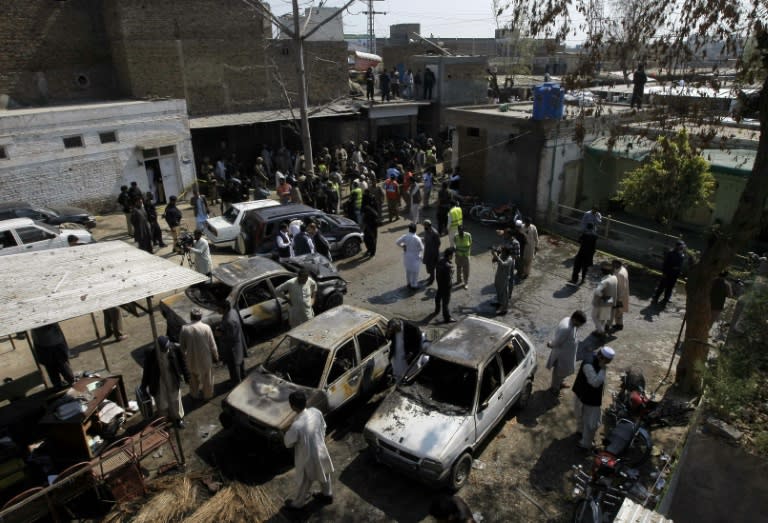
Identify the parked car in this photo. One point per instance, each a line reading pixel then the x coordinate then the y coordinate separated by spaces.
pixel 24 235
pixel 450 400
pixel 51 216
pixel 333 358
pixel 258 229
pixel 249 285
pixel 225 228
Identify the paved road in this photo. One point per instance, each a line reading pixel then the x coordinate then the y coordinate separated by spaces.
pixel 520 475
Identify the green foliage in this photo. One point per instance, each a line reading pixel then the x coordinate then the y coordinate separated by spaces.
pixel 737 382
pixel 673 180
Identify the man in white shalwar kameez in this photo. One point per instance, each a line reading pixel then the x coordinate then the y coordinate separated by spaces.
pixel 199 349
pixel 310 455
pixel 562 359
pixel 413 248
pixel 531 245
pixel 604 299
pixel 622 295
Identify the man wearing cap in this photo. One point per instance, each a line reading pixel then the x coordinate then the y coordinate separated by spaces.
pixel 562 359
pixel 604 299
pixel 199 348
pixel 431 250
pixel 164 369
pixel 588 388
pixel 674 262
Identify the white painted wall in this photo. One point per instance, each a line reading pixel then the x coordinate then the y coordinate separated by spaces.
pixel 333 31
pixel 39 169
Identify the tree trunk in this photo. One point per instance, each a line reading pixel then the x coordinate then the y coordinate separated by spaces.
pixel 719 252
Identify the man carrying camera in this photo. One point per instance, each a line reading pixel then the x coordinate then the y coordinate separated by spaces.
pixel 202 252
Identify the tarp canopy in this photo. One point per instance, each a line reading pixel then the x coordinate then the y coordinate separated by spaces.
pixel 49 286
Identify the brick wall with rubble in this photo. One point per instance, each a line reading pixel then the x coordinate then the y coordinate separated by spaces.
pixel 221 63
pixel 54 52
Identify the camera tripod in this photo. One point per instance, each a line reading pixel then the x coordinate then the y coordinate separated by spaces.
pixel 185 256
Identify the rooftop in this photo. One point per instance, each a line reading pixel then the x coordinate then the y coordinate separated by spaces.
pixel 471 341
pixel 335 325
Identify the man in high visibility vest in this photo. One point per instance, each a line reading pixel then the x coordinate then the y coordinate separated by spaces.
pixel 455 219
pixel 463 243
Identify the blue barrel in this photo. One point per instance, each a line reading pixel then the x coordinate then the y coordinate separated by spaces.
pixel 548 101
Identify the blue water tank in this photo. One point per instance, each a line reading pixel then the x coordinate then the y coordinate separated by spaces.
pixel 548 101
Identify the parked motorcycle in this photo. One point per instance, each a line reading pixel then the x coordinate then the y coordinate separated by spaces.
pixel 500 215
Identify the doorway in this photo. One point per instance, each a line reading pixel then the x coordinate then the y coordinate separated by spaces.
pixel 155 180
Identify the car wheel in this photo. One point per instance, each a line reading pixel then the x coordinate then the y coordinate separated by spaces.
pixel 333 300
pixel 350 247
pixel 525 395
pixel 460 472
pixel 240 244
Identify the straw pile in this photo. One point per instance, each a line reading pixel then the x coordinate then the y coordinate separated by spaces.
pixel 236 503
pixel 170 505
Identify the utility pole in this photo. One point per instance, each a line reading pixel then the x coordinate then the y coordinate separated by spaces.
pixel 371 28
pixel 306 139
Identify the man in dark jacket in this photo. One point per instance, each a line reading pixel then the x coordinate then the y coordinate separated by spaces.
pixel 674 262
pixel 431 250
pixel 154 226
pixel 172 217
pixel 53 352
pixel 588 388
pixel 370 224
pixel 124 200
pixel 142 232
pixel 444 277
pixel 584 258
pixel 164 368
pixel 232 343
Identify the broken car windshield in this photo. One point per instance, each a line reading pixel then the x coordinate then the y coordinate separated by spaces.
pixel 444 382
pixel 209 295
pixel 298 362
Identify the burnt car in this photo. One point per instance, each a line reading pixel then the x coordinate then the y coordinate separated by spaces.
pixel 249 285
pixel 334 357
pixel 451 398
pixel 49 215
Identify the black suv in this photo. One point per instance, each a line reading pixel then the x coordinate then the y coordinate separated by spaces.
pixel 259 228
pixel 51 216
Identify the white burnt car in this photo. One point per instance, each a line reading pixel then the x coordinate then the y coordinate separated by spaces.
pixel 332 358
pixel 450 400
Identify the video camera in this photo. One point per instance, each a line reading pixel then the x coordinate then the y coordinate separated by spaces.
pixel 185 241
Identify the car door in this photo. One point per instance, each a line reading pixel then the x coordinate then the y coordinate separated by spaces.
pixel 373 346
pixel 328 230
pixel 258 306
pixel 9 244
pixel 276 281
pixel 516 366
pixel 344 376
pixel 36 238
pixel 490 398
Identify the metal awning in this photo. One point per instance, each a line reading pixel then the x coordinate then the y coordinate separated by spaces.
pixel 45 287
pixel 275 115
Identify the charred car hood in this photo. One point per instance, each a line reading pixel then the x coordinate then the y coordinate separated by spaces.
pixel 317 265
pixel 421 429
pixel 264 397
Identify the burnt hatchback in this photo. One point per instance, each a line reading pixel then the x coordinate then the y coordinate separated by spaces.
pixel 249 285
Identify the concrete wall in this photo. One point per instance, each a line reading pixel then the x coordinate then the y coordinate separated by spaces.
pixel 41 170
pixel 54 51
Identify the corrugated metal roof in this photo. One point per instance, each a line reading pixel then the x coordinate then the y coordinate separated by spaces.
pixel 54 285
pixel 631 512
pixel 275 115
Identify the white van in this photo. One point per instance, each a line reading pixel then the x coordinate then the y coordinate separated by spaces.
pixel 226 228
pixel 23 235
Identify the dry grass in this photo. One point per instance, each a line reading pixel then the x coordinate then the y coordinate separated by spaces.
pixel 235 503
pixel 171 505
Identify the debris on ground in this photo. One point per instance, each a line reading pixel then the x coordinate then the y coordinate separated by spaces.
pixel 723 429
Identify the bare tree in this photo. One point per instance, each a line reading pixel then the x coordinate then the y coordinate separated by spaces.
pixel 672 29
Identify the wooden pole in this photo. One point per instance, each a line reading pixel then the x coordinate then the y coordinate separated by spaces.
pixel 101 344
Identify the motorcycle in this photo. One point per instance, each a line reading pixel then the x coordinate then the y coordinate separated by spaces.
pixel 505 214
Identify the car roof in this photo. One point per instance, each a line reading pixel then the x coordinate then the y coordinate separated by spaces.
pixel 333 326
pixel 243 269
pixel 255 204
pixel 285 210
pixel 471 341
pixel 16 222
